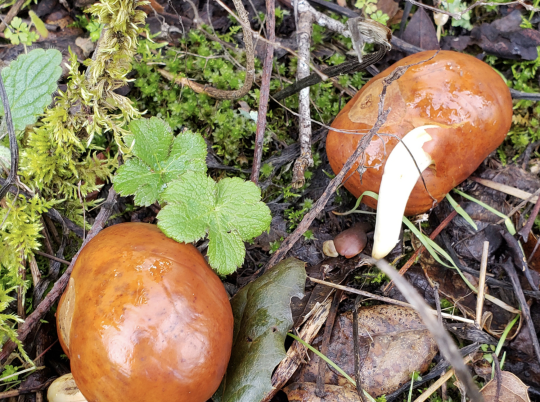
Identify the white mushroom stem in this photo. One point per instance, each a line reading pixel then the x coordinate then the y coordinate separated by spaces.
pixel 64 389
pixel 398 180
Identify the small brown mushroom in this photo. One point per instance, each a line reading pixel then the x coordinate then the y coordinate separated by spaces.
pixel 351 241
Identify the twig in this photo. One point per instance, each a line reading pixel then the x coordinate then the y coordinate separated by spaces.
pixel 13 147
pixel 525 230
pixel 51 257
pixel 319 391
pixel 33 319
pixel 437 303
pixel 421 249
pixel 498 377
pixel 385 299
pixel 481 285
pixel 265 90
pixel 12 13
pixel 437 384
pixel 525 310
pixel 250 63
pixel 305 160
pixel 357 363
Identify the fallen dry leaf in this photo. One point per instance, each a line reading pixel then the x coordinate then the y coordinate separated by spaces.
pixel 512 389
pixel 305 392
pixel 396 341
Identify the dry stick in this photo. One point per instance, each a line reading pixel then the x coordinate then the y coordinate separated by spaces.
pixel 12 13
pixel 437 384
pixel 525 230
pixel 481 285
pixel 518 290
pixel 444 341
pixel 336 181
pixel 498 377
pixel 357 364
pixel 319 391
pixel 51 257
pixel 385 299
pixel 305 160
pixel 60 285
pixel 265 90
pixel 411 261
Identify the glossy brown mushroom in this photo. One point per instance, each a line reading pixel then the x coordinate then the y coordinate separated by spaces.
pixel 351 241
pixel 150 320
pixel 460 103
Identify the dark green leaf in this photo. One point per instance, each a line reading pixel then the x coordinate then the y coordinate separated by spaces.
pixel 262 318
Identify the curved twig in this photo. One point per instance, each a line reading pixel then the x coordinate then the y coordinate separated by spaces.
pixel 250 63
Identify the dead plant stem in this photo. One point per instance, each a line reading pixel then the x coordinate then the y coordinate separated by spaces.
pixel 481 285
pixel 265 90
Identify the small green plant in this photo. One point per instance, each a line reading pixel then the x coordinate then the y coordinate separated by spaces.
pixel 295 216
pixel 172 170
pixel 92 25
pixel 8 371
pixel 308 235
pixel 370 9
pixel 19 32
pixel 274 245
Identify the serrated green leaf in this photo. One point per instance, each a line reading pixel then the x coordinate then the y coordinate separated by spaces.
pixel 231 211
pixel 30 81
pixel 5 157
pixel 191 203
pixel 239 207
pixel 225 249
pixel 159 159
pixel 153 140
pixel 262 318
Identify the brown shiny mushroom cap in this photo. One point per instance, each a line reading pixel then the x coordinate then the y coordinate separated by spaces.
pixel 351 241
pixel 151 320
pixel 464 96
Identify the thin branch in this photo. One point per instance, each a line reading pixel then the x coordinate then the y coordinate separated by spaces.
pixel 386 299
pixel 481 285
pixel 12 13
pixel 329 326
pixel 265 90
pixel 250 63
pixel 526 311
pixel 51 257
